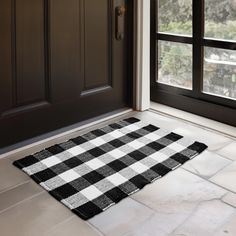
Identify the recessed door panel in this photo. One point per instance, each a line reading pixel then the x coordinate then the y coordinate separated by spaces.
pixel 30 80
pixel 65 51
pixel 97 43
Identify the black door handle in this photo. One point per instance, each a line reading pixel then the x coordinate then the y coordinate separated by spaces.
pixel 120 22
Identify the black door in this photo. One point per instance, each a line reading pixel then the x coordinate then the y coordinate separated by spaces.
pixel 61 61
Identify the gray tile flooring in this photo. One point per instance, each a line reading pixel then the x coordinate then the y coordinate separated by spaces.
pixel 198 199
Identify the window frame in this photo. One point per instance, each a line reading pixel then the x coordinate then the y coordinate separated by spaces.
pixel 195 100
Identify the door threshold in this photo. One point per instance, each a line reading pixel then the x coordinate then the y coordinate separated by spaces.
pixel 206 123
pixel 42 140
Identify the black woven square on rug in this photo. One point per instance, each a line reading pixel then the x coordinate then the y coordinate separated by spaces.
pixel 92 172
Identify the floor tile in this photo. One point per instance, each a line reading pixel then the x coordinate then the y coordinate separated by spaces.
pixel 179 202
pixel 213 140
pixel 175 196
pixel 229 151
pixel 18 194
pixel 228 229
pixel 206 219
pixel 73 226
pixel 226 177
pixel 33 217
pixel 159 224
pixel 159 120
pixel 206 164
pixel 121 218
pixel 230 199
pixel 10 176
pixel 177 190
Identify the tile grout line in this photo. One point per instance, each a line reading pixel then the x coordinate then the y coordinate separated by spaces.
pixel 222 156
pixel 143 204
pixel 70 218
pixel 75 216
pixel 227 202
pixel 22 201
pixel 207 178
pixel 15 186
pixel 229 190
pixel 94 228
pixel 209 181
pixel 58 224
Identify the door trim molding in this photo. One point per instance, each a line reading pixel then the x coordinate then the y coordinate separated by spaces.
pixel 142 55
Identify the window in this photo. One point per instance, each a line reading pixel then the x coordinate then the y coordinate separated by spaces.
pixel 219 72
pixel 193 50
pixel 175 17
pixel 175 64
pixel 220 19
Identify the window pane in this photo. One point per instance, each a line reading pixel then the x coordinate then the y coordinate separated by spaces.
pixel 220 72
pixel 175 64
pixel 175 16
pixel 220 19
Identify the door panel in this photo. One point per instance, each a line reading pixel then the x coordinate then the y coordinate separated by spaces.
pixel 30 61
pixel 59 64
pixel 64 49
pixel 97 32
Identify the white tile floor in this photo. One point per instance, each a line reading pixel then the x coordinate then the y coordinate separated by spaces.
pixel 198 199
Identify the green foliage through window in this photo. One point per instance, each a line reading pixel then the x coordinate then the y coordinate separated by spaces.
pixel 175 59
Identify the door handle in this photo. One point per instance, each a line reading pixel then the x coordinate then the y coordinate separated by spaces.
pixel 120 22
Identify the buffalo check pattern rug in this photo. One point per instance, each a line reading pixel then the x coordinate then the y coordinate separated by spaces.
pixel 92 172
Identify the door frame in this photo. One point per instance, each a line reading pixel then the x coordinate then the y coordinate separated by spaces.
pixel 141 55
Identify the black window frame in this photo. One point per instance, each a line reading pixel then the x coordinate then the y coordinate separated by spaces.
pixel 194 101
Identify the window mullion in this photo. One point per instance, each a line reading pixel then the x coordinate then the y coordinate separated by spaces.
pixel 198 34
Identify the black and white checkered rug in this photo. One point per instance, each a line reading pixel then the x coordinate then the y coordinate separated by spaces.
pixel 94 171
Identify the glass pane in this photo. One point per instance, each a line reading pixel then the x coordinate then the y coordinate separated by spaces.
pixel 175 16
pixel 220 72
pixel 220 19
pixel 175 64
